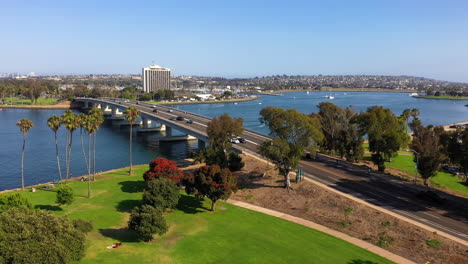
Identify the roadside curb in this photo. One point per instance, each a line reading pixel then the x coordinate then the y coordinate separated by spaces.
pixel 355 241
pixel 381 209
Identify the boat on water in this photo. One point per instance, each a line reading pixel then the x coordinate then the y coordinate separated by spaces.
pixel 260 103
pixel 413 94
pixel 235 103
pixel 307 92
pixel 330 97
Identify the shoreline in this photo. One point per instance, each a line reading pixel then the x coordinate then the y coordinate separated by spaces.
pixel 210 102
pixel 350 90
pixel 440 98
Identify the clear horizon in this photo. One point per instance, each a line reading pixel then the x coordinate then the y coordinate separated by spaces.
pixel 237 39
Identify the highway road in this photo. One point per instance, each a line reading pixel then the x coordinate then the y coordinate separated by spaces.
pixel 379 189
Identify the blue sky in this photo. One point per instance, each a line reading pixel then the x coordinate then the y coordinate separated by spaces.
pixel 237 38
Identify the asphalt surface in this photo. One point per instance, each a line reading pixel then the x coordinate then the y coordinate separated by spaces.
pixel 382 190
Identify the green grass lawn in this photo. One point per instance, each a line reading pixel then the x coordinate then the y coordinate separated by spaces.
pixel 40 101
pixel 445 97
pixel 196 235
pixel 442 179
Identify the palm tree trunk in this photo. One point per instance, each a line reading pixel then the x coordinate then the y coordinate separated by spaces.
pixel 22 163
pixel 94 157
pixel 83 149
pixel 89 165
pixel 69 154
pixel 67 144
pixel 130 172
pixel 58 159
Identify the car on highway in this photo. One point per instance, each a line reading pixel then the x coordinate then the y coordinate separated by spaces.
pixel 234 141
pixel 241 139
pixel 126 101
pixel 189 121
pixel 180 118
pixel 153 106
pixel 173 118
pixel 155 110
pixel 170 111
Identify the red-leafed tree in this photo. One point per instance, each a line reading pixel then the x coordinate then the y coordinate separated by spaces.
pixel 163 168
pixel 212 182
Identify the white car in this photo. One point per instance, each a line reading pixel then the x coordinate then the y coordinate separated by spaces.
pixel 234 141
pixel 153 106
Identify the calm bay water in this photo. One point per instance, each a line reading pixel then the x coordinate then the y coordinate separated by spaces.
pixel 112 141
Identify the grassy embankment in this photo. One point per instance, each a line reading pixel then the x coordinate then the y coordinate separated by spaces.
pixel 404 162
pixel 39 101
pixel 196 235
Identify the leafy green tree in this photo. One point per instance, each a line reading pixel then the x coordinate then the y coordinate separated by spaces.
pixel 54 123
pixel 223 128
pixel 429 150
pixel 14 200
pixel 161 193
pixel 131 114
pixel 292 132
pixel 212 182
pixel 458 150
pixel 235 162
pixel 25 125
pixel 386 134
pixel 147 221
pixel 350 138
pixel 329 116
pixel 216 156
pixel 36 236
pixel 65 195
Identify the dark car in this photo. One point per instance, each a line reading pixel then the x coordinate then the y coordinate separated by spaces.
pixel 155 110
pixel 431 197
pixel 189 121
pixel 241 139
pixel 137 102
pixel 173 118
pixel 180 118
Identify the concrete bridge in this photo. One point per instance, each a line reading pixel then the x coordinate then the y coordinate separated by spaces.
pixel 164 118
pixel 380 190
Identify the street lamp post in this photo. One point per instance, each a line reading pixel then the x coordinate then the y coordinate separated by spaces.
pixel 417 162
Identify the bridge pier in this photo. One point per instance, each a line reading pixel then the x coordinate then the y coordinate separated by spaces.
pixel 116 114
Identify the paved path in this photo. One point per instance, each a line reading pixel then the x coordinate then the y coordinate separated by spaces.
pixel 355 241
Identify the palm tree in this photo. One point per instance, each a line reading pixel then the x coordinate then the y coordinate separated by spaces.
pixel 414 113
pixel 81 120
pixel 89 126
pixel 98 120
pixel 25 125
pixel 54 123
pixel 68 120
pixel 131 114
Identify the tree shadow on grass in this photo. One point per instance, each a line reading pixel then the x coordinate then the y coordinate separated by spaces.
pixel 132 186
pixel 190 204
pixel 360 261
pixel 120 234
pixel 127 205
pixel 48 207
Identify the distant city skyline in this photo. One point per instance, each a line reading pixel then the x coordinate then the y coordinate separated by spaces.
pixel 237 39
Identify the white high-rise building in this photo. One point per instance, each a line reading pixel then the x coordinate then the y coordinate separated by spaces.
pixel 156 78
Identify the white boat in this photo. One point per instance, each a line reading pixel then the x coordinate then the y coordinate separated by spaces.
pixel 307 92
pixel 330 97
pixel 413 94
pixel 260 103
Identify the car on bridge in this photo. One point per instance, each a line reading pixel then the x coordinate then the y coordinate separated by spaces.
pixel 189 121
pixel 173 118
pixel 234 141
pixel 241 139
pixel 153 106
pixel 170 111
pixel 155 110
pixel 180 118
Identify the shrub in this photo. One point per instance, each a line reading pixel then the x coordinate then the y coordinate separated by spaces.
pixel 235 162
pixel 83 225
pixel 13 201
pixel 212 182
pixel 433 243
pixel 65 195
pixel 385 240
pixel 147 221
pixel 35 236
pixel 163 168
pixel 161 193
